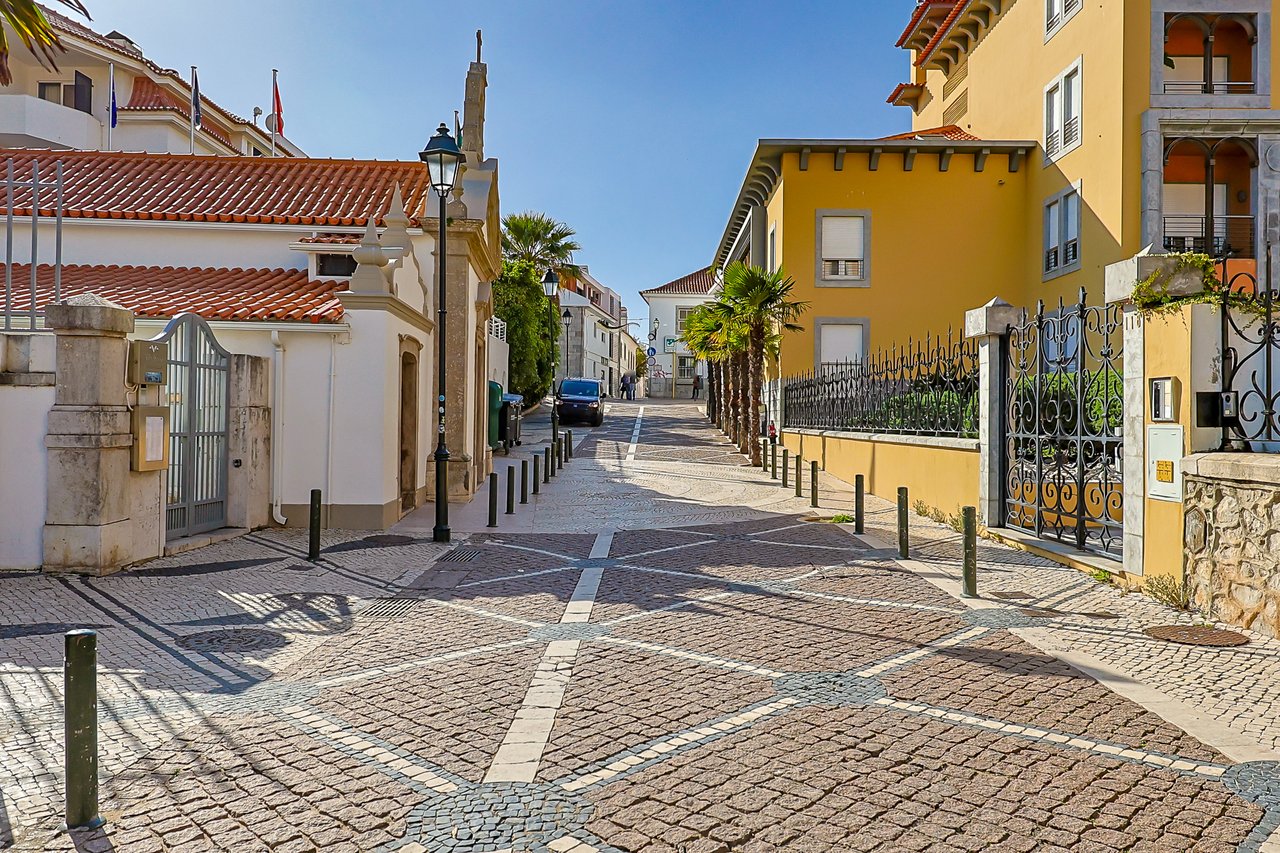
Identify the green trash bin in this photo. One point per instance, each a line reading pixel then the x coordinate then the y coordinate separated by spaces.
pixel 495 414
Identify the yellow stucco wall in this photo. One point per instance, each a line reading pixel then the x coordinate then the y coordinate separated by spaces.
pixel 930 260
pixel 1168 353
pixel 942 477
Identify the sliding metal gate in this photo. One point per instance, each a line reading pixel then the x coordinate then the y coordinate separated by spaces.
pixel 1064 393
pixel 199 399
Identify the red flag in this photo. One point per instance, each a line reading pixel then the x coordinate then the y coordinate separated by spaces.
pixel 278 109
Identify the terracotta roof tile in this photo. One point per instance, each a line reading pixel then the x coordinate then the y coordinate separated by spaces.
pixel 960 6
pixel 694 283
pixel 904 92
pixel 150 96
pixel 186 188
pixel 216 294
pixel 947 131
pixel 922 8
pixel 342 239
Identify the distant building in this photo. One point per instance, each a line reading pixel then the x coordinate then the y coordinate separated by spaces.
pixel 673 367
pixel 71 107
pixel 593 346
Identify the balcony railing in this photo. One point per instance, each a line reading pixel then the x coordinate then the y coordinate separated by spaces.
pixel 1199 87
pixel 1232 235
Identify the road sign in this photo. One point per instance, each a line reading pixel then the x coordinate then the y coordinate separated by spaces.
pixel 652 351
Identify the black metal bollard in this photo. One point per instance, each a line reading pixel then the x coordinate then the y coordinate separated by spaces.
pixel 786 467
pixel 970 525
pixel 524 480
pixel 550 461
pixel 773 452
pixel 511 490
pixel 799 476
pixel 813 484
pixel 313 541
pixel 904 542
pixel 764 455
pixel 493 499
pixel 568 444
pixel 537 474
pixel 859 487
pixel 80 722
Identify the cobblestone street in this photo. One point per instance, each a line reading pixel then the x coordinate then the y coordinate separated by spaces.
pixel 657 653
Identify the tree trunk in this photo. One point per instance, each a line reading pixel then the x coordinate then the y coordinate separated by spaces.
pixel 744 403
pixel 726 391
pixel 755 377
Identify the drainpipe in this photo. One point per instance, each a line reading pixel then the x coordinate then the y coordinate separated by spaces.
pixel 277 427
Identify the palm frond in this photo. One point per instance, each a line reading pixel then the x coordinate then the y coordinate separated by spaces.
pixel 32 27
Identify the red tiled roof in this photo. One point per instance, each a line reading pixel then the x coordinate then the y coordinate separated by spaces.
pixel 947 131
pixel 345 239
pixel 899 93
pixel 186 188
pixel 960 6
pixel 695 283
pixel 150 96
pixel 917 16
pixel 214 294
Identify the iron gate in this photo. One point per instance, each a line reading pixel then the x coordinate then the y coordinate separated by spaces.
pixel 1064 398
pixel 199 399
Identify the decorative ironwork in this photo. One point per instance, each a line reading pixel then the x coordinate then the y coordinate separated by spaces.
pixel 1251 359
pixel 199 399
pixel 1064 392
pixel 924 388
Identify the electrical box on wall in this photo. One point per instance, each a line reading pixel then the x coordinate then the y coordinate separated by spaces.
pixel 150 428
pixel 1164 399
pixel 148 363
pixel 1164 463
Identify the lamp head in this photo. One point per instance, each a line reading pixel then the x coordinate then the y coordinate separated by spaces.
pixel 550 283
pixel 443 157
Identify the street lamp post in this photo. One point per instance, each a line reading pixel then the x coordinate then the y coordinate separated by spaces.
pixel 550 286
pixel 443 158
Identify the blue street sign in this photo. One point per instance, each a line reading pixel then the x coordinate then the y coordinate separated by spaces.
pixel 652 351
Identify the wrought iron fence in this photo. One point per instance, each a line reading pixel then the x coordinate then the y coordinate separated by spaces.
pixel 1251 359
pixel 30 197
pixel 928 387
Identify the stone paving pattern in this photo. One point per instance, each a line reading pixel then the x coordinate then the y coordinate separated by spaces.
pixel 723 676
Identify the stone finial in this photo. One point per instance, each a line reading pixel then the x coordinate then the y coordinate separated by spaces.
pixel 370 259
pixel 396 233
pixel 993 318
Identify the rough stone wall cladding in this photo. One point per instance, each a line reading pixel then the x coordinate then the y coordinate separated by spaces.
pixel 1231 546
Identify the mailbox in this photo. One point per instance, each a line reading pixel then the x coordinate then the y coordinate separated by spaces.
pixel 150 427
pixel 148 363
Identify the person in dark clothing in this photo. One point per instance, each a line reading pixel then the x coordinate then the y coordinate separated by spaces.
pixel 697 386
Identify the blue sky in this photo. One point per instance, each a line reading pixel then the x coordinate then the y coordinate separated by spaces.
pixel 631 121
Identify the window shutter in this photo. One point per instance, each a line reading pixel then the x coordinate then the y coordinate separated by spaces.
pixel 1071 216
pixel 842 238
pixel 840 342
pixel 84 93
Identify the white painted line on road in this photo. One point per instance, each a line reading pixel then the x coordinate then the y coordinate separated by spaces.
pixel 635 436
pixel 685 654
pixel 520 753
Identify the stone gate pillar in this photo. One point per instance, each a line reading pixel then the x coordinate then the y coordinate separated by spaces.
pixel 990 326
pixel 99 516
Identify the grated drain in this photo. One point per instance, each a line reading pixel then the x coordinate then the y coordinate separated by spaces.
pixel 385 608
pixel 233 640
pixel 1197 635
pixel 460 554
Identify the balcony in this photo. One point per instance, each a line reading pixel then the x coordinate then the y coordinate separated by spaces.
pixel 1209 55
pixel 30 122
pixel 1232 235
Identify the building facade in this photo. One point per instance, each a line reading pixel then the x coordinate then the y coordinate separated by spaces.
pixel 672 368
pixel 592 344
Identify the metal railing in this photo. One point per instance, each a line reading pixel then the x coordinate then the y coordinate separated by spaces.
pixel 1200 87
pixel 924 388
pixel 28 194
pixel 1233 236
pixel 1251 359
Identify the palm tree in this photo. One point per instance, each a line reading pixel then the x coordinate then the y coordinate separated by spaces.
pixel 540 240
pixel 760 302
pixel 703 336
pixel 28 22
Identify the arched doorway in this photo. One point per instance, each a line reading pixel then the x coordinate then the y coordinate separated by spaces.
pixel 408 472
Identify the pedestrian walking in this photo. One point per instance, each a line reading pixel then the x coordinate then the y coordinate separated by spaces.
pixel 626 386
pixel 697 385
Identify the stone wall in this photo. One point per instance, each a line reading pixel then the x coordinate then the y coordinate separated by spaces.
pixel 1231 537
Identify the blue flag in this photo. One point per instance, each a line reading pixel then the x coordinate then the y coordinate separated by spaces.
pixel 195 98
pixel 113 98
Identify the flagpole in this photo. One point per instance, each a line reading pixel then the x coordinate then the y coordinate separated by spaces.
pixel 111 108
pixel 194 107
pixel 275 122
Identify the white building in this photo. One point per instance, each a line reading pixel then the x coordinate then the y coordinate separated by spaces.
pixel 672 368
pixel 71 107
pixel 593 346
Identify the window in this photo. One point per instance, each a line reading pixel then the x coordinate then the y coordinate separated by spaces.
pixel 338 266
pixel 1062 232
pixel 58 93
pixel 1062 119
pixel 684 366
pixel 1057 13
pixel 773 248
pixel 842 247
pixel 681 315
pixel 840 343
pixel 77 95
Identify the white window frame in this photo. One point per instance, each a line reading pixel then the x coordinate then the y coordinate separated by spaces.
pixel 1062 135
pixel 682 314
pixel 1061 252
pixel 863 276
pixel 686 367
pixel 1057 13
pixel 819 326
pixel 773 247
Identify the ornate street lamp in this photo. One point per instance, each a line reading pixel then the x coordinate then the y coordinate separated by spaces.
pixel 551 286
pixel 443 158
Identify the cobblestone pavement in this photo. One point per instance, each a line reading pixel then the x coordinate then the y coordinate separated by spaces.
pixel 735 679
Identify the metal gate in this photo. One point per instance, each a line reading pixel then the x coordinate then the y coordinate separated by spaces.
pixel 199 399
pixel 1064 397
